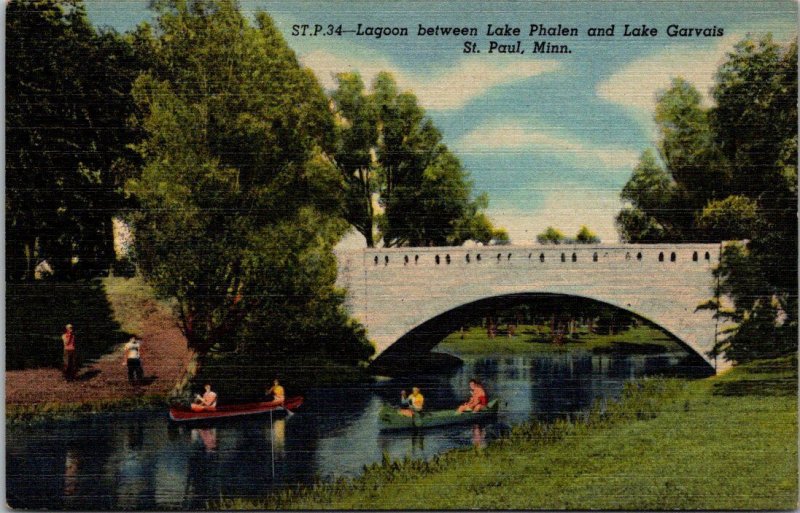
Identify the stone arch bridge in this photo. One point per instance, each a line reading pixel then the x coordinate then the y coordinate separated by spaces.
pixel 398 292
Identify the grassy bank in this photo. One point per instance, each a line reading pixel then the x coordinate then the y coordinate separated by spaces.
pixel 727 442
pixel 132 301
pixel 532 339
pixel 45 412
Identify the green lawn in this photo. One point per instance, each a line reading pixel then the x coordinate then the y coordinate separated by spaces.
pixel 728 442
pixel 531 339
pixel 126 296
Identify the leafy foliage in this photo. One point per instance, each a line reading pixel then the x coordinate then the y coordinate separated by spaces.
pixel 735 217
pixel 650 192
pixel 551 236
pixel 240 207
pixel 68 97
pixel 357 136
pixel 730 172
pixel 389 150
pixel 586 236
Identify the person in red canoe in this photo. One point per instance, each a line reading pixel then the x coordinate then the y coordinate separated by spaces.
pixel 477 401
pixel 278 394
pixel 205 402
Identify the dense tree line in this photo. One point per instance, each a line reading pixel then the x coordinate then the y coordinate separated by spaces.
pixel 236 171
pixel 729 172
pixel 69 136
pixel 68 101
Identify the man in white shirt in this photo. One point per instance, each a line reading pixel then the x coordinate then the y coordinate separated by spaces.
pixel 132 357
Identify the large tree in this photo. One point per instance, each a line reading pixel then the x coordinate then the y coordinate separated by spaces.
pixel 357 137
pixel 650 196
pixel 663 201
pixel 68 99
pixel 755 120
pixel 240 207
pixel 730 171
pixel 390 151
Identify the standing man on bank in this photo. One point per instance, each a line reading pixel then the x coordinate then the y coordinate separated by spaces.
pixel 70 353
pixel 132 357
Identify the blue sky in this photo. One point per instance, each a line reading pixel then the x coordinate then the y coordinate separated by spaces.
pixel 551 138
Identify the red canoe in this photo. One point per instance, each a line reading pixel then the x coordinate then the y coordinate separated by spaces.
pixel 234 410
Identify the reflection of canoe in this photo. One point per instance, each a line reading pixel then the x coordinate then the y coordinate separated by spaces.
pixel 233 410
pixel 391 419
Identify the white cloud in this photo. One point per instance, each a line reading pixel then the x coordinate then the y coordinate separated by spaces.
pixel 635 86
pixel 449 88
pixel 512 137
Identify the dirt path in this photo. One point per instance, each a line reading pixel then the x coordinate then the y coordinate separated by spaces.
pixel 164 357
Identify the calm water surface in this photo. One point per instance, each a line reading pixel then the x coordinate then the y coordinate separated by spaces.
pixel 141 461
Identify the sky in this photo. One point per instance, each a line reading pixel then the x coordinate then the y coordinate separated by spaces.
pixel 551 138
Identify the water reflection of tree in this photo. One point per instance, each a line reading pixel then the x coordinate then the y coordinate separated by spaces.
pixel 58 465
pixel 202 472
pixel 135 480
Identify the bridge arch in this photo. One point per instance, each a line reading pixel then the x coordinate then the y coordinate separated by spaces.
pixel 428 334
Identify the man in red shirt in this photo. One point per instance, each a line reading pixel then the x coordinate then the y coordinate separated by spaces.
pixel 70 354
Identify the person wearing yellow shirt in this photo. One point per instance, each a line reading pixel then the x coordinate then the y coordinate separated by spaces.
pixel 278 394
pixel 415 401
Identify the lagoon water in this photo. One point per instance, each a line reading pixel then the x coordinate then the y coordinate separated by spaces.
pixel 142 461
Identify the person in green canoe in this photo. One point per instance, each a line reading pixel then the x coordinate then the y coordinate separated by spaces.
pixel 415 401
pixel 477 400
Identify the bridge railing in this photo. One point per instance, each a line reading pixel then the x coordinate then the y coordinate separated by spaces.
pixel 633 253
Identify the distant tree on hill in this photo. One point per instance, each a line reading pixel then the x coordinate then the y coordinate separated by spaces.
pixel 551 236
pixel 586 236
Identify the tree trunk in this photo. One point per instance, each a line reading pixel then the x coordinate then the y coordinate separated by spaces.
pixel 370 223
pixel 107 255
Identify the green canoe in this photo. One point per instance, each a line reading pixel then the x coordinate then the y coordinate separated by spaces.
pixel 391 419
